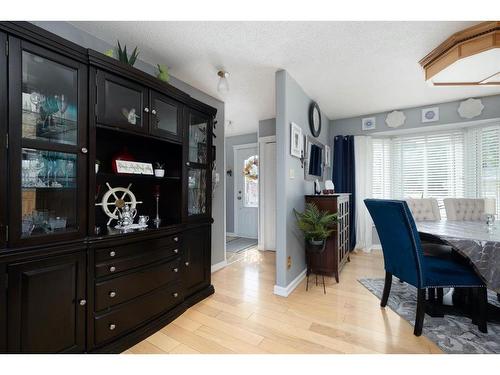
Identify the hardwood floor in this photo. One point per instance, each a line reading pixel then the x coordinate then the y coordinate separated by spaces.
pixel 244 316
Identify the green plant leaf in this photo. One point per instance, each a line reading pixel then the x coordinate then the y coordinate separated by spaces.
pixel 133 57
pixel 315 224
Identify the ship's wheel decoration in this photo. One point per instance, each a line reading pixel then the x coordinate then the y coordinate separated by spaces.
pixel 115 199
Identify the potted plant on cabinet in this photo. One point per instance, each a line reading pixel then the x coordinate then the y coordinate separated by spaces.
pixel 316 226
pixel 159 170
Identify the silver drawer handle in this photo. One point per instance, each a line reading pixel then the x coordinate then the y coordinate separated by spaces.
pixel 176 251
pixel 175 295
pixel 176 239
pixel 187 264
pixel 83 302
pixel 188 163
pixel 146 109
pixel 112 294
pixel 153 112
pixel 84 150
pixel 112 253
pixel 112 269
pixel 176 270
pixel 112 327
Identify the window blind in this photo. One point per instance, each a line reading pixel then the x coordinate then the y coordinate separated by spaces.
pixel 483 163
pixel 419 166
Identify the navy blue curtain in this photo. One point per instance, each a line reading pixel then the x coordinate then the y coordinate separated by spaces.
pixel 343 176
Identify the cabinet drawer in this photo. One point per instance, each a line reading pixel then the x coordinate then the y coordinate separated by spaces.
pixel 120 289
pixel 113 252
pixel 115 266
pixel 110 325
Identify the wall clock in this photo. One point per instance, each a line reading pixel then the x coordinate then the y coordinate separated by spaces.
pixel 315 119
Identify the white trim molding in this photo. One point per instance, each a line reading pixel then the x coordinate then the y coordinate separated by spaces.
pixel 286 291
pixel 218 266
pixel 262 201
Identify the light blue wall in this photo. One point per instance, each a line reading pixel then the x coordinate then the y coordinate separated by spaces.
pixel 86 40
pixel 292 105
pixel 448 114
pixel 230 142
pixel 267 127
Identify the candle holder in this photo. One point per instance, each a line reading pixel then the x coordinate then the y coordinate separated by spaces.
pixel 156 194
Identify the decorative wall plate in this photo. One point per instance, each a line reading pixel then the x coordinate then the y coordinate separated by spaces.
pixel 395 119
pixel 470 108
pixel 368 123
pixel 430 114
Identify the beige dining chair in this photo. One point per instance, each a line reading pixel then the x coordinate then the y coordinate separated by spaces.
pixel 424 209
pixel 466 209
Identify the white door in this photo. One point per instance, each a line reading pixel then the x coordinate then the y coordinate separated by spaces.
pixel 269 209
pixel 246 191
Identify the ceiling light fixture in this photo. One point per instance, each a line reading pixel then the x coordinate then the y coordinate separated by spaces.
pixel 223 85
pixel 467 58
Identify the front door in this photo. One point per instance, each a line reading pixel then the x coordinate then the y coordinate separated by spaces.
pixel 246 189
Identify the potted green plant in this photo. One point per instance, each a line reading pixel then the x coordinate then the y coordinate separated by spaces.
pixel 159 169
pixel 316 226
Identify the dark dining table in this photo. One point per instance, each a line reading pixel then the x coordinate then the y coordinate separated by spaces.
pixel 474 240
pixel 480 245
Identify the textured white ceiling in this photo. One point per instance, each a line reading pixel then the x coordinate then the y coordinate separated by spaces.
pixel 349 68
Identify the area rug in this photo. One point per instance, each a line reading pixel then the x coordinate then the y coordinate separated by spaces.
pixel 238 244
pixel 453 334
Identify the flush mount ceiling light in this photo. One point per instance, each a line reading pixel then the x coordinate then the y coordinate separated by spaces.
pixel 223 85
pixel 470 57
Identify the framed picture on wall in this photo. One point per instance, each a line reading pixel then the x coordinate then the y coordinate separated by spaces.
pixel 296 140
pixel 368 123
pixel 328 156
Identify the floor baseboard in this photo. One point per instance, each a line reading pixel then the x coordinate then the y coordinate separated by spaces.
pixel 219 266
pixel 285 291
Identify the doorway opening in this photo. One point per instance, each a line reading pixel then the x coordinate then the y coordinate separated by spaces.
pixel 245 183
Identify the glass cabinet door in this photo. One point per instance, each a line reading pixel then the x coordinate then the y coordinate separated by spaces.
pixel 197 138
pixel 49 100
pixel 49 194
pixel 121 103
pixel 197 195
pixel 165 116
pixel 199 141
pixel 47 144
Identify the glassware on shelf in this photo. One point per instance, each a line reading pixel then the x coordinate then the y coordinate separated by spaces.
pixel 57 223
pixel 27 225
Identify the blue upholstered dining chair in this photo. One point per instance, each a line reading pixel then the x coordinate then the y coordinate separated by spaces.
pixel 404 258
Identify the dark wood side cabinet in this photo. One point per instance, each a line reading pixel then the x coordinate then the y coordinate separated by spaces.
pixel 46 304
pixel 70 282
pixel 336 253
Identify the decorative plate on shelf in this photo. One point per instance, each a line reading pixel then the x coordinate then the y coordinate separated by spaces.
pixel 470 108
pixel 395 119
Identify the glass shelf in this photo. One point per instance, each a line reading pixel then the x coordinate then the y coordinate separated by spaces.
pixel 136 176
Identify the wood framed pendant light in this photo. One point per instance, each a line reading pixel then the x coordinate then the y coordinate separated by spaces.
pixel 470 57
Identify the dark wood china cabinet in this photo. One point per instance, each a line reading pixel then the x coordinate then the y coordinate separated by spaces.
pixel 72 280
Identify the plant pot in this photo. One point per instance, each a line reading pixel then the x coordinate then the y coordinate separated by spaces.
pixel 313 246
pixel 159 172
